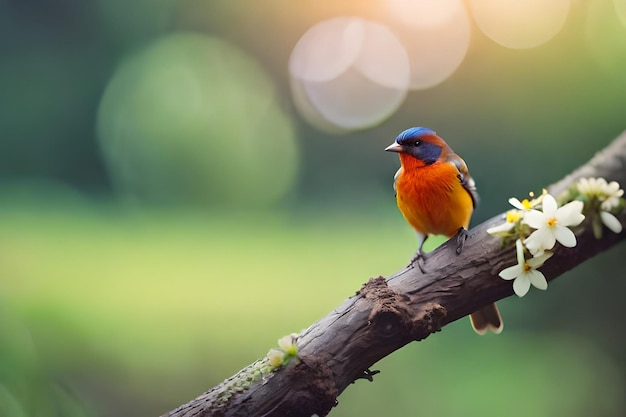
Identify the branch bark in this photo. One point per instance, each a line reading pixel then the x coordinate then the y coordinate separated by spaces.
pixel 386 314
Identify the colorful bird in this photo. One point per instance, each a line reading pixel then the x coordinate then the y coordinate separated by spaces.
pixel 436 196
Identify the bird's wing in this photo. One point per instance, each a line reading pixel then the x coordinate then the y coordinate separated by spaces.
pixel 466 180
pixel 395 179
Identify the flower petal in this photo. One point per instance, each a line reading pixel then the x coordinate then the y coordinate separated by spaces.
pixel 537 261
pixel 286 342
pixel 540 240
pixel 521 285
pixel 549 206
pixel 611 222
pixel 609 203
pixel 533 244
pixel 516 203
pixel 500 229
pixel 583 185
pixel 275 357
pixel 570 214
pixel 612 188
pixel 538 280
pixel 511 272
pixel 565 236
pixel 535 219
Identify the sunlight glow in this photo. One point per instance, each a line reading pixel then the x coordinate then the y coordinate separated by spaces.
pixel 520 24
pixel 424 13
pixel 620 8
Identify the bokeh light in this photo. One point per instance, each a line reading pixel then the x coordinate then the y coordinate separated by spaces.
pixel 308 111
pixel 520 23
pixel 348 73
pixel 192 119
pixel 187 107
pixel 436 35
pixel 424 13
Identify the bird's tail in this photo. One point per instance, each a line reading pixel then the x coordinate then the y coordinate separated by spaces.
pixel 487 318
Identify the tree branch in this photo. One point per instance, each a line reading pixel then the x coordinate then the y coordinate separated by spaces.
pixel 386 314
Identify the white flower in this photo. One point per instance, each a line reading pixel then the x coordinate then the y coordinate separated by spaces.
pixel 527 204
pixel 288 344
pixel 612 195
pixel 591 187
pixel 275 357
pixel 512 217
pixel 525 272
pixel 607 193
pixel 520 205
pixel 552 225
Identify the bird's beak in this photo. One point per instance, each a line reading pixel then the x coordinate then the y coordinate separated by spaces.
pixel 394 147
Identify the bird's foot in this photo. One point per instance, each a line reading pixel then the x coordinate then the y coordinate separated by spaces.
pixel 419 258
pixel 461 236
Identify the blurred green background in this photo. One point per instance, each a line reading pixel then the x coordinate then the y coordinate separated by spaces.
pixel 173 199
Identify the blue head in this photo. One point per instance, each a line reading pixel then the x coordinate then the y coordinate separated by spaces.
pixel 419 142
pixel 414 133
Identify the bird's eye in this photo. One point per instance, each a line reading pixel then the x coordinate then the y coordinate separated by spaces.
pixel 417 143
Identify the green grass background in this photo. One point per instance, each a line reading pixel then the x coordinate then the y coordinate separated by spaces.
pixel 126 312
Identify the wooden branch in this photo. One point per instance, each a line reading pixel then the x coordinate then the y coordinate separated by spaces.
pixel 386 314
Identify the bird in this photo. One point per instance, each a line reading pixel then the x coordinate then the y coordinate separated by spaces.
pixel 437 196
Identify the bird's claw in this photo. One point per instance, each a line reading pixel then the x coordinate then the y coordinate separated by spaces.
pixel 418 259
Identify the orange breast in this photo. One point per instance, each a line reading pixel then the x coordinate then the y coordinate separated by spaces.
pixel 432 199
